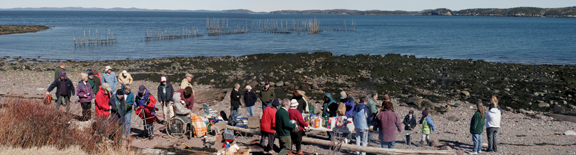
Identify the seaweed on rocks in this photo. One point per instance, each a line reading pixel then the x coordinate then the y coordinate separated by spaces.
pixel 435 79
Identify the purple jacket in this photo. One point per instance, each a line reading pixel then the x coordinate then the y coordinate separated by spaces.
pixel 388 122
pixel 83 89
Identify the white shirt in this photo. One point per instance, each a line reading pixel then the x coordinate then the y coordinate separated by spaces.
pixel 493 118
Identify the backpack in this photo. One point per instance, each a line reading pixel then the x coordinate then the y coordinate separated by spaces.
pixel 341 109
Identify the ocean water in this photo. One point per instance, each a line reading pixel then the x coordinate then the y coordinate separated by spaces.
pixel 495 39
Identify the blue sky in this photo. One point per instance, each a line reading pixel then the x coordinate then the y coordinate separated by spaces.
pixel 271 5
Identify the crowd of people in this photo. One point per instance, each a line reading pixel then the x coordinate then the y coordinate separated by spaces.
pixel 118 104
pixel 279 117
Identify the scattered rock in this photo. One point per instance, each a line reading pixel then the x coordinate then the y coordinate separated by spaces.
pixel 403 104
pixel 416 101
pixel 466 93
pixel 570 133
pixel 315 87
pixel 280 84
pixel 543 104
pixel 434 143
pixel 526 112
pixel 445 148
pixel 460 152
pixel 453 118
pixel 253 84
pixel 558 109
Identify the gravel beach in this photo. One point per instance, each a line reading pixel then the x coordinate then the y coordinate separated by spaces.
pixel 525 129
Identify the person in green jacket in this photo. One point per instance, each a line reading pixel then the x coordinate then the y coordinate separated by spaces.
pixel 58 70
pixel 283 127
pixel 427 127
pixel 266 95
pixel 477 127
pixel 94 82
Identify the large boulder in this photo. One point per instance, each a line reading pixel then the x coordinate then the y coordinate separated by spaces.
pixel 415 101
pixel 466 93
pixel 543 104
pixel 558 109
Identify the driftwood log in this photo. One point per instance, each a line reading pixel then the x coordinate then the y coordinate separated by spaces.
pixel 356 147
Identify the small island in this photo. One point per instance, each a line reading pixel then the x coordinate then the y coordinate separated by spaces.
pixel 12 29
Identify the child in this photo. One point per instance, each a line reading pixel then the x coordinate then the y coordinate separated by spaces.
pixel 477 127
pixel 427 125
pixel 409 125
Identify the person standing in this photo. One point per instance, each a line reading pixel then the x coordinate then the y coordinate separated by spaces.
pixel 129 96
pixel 330 106
pixel 409 125
pixel 372 105
pixel 125 79
pixel 102 101
pixel 360 119
pixel 267 95
pixel 283 128
pixel 235 100
pixel 187 82
pixel 302 102
pixel 94 82
pixel 493 117
pixel 349 101
pixel 427 127
pixel 165 92
pixel 297 116
pixel 146 101
pixel 58 70
pixel 477 127
pixel 117 102
pixel 249 100
pixel 268 125
pixel 64 90
pixel 110 78
pixel 388 122
pixel 85 95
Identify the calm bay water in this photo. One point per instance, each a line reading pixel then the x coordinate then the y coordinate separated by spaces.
pixel 496 39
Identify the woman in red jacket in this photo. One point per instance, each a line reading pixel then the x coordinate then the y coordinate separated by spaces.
pixel 295 114
pixel 268 125
pixel 103 101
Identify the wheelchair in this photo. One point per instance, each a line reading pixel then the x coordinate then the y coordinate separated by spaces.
pixel 179 126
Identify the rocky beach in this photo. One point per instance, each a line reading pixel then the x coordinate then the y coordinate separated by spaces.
pixel 538 100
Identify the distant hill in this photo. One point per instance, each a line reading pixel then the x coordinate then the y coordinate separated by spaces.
pixel 567 12
pixel 346 12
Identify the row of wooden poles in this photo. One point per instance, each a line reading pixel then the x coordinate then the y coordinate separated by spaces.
pixel 186 33
pixel 216 27
pixel 99 39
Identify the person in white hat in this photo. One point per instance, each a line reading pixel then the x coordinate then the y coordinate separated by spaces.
pixel 249 100
pixel 124 79
pixel 297 116
pixel 109 77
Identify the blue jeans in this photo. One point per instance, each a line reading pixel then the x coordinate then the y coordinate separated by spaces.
pixel 477 139
pixel 127 123
pixel 362 137
pixel 389 145
pixel 250 110
pixel 265 105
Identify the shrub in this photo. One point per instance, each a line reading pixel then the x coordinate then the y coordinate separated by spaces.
pixel 29 123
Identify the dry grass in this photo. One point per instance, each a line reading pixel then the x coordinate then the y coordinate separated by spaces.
pixel 31 125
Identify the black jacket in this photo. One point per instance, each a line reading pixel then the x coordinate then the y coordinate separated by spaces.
pixel 169 93
pixel 301 103
pixel 69 87
pixel 235 99
pixel 408 121
pixel 250 98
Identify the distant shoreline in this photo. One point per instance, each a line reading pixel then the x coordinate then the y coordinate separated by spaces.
pixel 565 12
pixel 13 29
